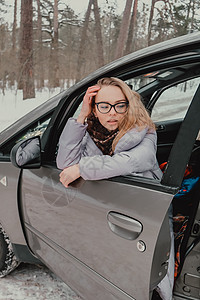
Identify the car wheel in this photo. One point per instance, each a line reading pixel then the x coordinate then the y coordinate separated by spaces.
pixel 8 261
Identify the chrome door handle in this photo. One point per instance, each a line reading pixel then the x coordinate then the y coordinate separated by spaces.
pixel 124 226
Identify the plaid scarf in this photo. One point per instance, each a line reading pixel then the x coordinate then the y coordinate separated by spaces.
pixel 102 137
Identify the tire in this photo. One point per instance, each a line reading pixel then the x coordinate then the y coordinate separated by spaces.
pixel 8 260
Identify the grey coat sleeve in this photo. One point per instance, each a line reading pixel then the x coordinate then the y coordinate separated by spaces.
pixel 70 144
pixel 136 160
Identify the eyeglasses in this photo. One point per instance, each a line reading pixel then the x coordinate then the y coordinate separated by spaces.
pixel 105 107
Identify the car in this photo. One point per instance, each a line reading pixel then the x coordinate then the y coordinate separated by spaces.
pixel 110 239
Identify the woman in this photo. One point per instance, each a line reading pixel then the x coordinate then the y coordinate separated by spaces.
pixel 113 135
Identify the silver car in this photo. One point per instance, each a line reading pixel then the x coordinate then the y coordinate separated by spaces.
pixel 110 239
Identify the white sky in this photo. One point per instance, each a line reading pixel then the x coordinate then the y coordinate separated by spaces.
pixel 79 6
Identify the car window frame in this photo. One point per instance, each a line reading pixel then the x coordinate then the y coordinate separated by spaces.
pixel 159 92
pixel 69 104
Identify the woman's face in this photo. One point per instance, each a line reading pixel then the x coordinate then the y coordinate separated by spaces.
pixel 112 95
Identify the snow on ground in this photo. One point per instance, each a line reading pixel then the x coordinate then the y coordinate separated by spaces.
pixel 34 282
pixel 13 107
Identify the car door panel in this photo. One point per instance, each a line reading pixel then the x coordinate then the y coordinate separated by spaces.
pixel 9 176
pixel 79 216
pixel 83 280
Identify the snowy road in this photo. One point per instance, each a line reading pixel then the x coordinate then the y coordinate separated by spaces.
pixel 34 282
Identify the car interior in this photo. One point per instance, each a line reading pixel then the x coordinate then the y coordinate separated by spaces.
pixel 186 207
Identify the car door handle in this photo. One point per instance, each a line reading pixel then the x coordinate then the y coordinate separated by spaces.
pixel 124 226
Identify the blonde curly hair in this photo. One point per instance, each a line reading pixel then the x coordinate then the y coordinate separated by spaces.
pixel 136 115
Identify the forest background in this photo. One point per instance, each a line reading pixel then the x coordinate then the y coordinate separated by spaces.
pixel 48 44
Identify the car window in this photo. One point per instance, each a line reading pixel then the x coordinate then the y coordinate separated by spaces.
pixel 77 112
pixel 36 129
pixel 138 82
pixel 173 103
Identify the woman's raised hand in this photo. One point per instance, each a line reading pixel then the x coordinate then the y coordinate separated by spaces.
pixel 87 102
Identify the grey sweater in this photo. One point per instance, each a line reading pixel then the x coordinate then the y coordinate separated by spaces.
pixel 134 154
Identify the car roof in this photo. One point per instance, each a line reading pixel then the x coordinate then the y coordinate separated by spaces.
pixel 175 46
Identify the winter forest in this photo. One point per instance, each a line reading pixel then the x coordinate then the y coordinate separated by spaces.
pixel 48 44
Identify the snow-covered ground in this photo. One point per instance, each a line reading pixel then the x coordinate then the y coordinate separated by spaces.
pixel 12 105
pixel 34 282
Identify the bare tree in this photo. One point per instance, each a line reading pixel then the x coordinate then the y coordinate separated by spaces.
pixel 150 20
pixel 54 74
pixel 132 29
pixel 193 13
pixel 39 48
pixel 14 27
pixel 82 45
pixel 98 34
pixel 123 34
pixel 13 50
pixel 54 64
pixel 172 16
pixel 27 49
pixel 152 15
pixel 189 7
pixel 80 61
pixel 3 67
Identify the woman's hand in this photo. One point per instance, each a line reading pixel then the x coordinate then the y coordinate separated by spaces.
pixel 69 174
pixel 87 102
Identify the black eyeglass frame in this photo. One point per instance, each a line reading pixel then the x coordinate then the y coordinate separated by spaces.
pixel 112 105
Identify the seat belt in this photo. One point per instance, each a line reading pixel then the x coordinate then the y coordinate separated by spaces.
pixel 183 145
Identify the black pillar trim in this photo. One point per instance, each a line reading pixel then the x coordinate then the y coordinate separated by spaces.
pixel 183 145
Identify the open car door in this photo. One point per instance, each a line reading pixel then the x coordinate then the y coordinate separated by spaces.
pixel 107 239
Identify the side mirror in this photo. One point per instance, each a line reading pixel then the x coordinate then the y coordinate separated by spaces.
pixel 27 154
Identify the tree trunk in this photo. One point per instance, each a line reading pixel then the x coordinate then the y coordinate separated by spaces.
pixel 132 29
pixel 54 63
pixel 187 17
pixel 3 66
pixel 21 58
pixel 27 49
pixel 193 14
pixel 13 54
pixel 39 48
pixel 123 34
pixel 80 61
pixel 150 21
pixel 14 28
pixel 55 44
pixel 98 35
pixel 172 16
